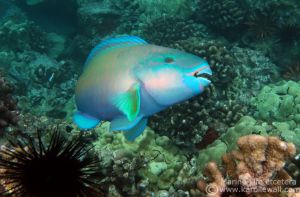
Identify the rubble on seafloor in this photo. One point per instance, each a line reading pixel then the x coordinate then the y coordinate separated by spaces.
pixel 9 113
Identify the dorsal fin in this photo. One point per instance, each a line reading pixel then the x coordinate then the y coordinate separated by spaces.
pixel 115 42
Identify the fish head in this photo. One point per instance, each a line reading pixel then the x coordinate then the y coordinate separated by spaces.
pixel 171 76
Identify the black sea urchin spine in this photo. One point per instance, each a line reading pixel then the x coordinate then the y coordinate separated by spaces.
pixel 61 169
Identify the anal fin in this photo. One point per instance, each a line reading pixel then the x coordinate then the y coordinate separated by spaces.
pixel 123 123
pixel 137 130
pixel 85 121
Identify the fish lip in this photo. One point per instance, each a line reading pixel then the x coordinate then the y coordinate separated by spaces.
pixel 205 80
pixel 203 74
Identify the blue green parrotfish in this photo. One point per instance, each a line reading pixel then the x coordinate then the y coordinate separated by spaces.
pixel 125 80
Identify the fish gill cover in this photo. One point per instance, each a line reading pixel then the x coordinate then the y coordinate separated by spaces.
pixel 239 130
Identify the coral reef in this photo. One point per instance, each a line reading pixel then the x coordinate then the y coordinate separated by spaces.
pixel 20 35
pixel 151 163
pixel 255 168
pixel 40 81
pixel 50 86
pixel 223 104
pixel 245 126
pixel 261 25
pixel 97 18
pixel 222 15
pixel 288 131
pixel 279 102
pixel 253 73
pixel 274 20
pixel 208 111
pixel 278 105
pixel 8 107
pixel 174 30
pixel 196 117
pixel 153 10
pixel 271 27
pixel 168 160
pixel 133 17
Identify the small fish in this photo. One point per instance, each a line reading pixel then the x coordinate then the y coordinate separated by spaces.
pixel 126 80
pixel 51 77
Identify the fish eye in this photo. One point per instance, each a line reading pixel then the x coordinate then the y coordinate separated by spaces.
pixel 169 60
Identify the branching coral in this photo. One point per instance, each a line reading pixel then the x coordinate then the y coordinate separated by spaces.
pixel 8 108
pixel 255 168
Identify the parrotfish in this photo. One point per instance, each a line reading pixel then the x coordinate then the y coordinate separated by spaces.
pixel 125 80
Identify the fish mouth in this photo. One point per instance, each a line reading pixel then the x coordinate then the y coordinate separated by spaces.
pixel 204 74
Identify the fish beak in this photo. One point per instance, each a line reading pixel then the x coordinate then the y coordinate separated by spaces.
pixel 203 74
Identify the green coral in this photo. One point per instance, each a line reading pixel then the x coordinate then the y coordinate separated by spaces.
pixel 246 126
pixel 280 102
pixel 287 130
pixel 212 153
pixel 279 105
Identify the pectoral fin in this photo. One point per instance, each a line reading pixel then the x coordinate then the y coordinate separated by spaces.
pixel 129 102
pixel 85 121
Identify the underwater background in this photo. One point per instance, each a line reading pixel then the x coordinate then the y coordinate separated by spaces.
pixel 240 137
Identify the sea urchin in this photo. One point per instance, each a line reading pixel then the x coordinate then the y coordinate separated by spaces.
pixel 292 72
pixel 63 168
